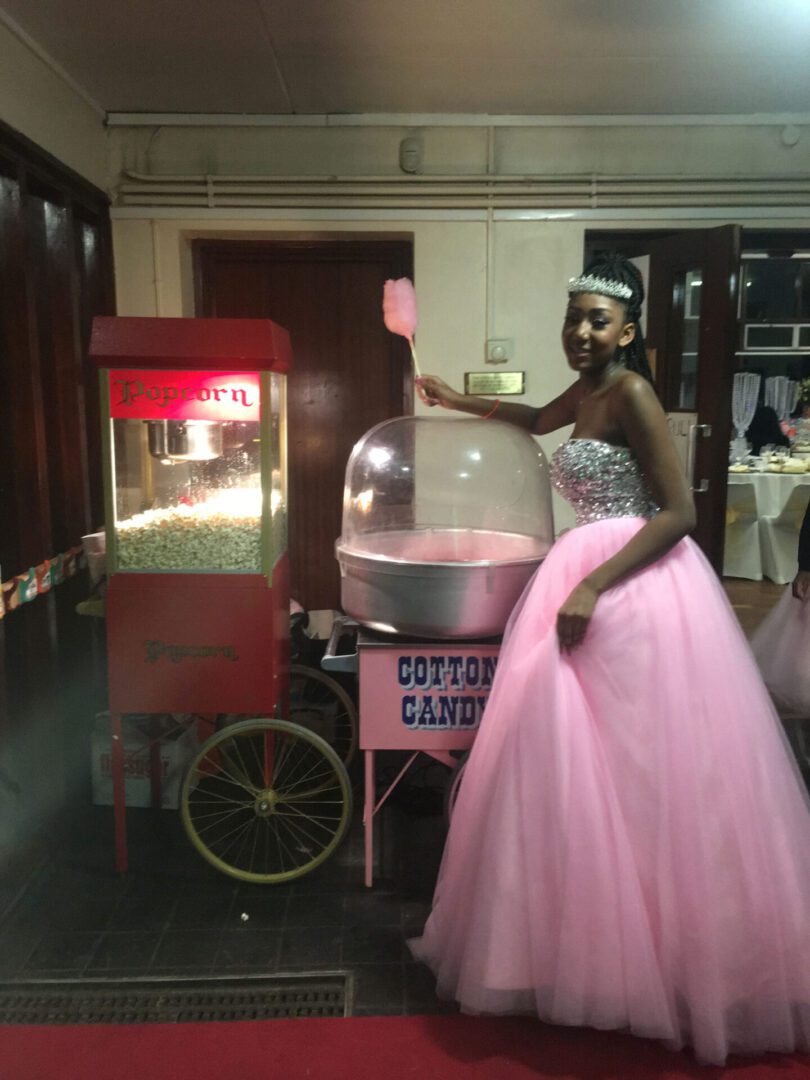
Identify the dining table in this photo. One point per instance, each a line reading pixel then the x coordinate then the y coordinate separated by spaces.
pixel 763 517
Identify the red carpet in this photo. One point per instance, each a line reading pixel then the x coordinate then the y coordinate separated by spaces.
pixel 367 1048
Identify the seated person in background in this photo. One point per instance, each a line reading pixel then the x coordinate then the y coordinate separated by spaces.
pixel 765 430
pixel 801 583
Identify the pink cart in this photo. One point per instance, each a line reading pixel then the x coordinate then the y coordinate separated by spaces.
pixel 444 523
pixel 423 697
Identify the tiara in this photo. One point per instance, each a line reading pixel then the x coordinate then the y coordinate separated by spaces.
pixel 600 286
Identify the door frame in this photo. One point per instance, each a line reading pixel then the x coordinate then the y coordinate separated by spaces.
pixel 717 251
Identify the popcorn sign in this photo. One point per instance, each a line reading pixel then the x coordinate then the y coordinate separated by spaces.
pixel 184 395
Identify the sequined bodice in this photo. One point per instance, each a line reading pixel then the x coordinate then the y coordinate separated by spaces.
pixel 600 481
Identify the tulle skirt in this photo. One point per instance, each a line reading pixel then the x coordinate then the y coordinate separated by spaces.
pixel 781 646
pixel 630 846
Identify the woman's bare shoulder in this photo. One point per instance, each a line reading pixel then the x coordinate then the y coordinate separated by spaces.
pixel 630 386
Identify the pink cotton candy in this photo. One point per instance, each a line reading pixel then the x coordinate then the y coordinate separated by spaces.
pixel 399 307
pixel 399 313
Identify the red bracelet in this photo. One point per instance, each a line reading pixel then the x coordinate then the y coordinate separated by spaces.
pixel 486 416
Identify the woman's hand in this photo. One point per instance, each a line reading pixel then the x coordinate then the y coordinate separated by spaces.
pixel 801 585
pixel 435 391
pixel 574 616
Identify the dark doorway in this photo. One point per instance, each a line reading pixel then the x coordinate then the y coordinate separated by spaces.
pixel 349 372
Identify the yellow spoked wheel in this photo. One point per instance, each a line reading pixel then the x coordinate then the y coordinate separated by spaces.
pixel 320 704
pixel 266 801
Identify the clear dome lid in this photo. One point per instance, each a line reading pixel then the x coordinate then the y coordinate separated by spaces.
pixel 425 489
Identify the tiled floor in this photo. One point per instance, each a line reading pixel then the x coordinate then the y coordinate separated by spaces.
pixel 74 917
pixel 65 913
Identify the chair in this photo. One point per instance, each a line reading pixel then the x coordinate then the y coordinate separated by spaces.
pixel 741 555
pixel 779 537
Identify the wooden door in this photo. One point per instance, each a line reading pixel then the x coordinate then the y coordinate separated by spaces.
pixel 692 307
pixel 349 372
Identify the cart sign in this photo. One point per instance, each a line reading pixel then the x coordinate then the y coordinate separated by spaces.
pixel 155 394
pixel 444 691
pixel 428 698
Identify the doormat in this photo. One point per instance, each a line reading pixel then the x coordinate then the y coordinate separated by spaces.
pixel 176 1000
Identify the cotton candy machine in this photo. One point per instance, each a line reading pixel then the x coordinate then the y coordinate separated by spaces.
pixel 444 523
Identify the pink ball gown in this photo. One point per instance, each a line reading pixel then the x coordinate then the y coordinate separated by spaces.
pixel 630 847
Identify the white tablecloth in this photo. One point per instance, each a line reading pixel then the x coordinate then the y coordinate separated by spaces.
pixel 772 489
pixel 771 552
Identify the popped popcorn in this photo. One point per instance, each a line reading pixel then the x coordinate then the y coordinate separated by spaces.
pixel 198 537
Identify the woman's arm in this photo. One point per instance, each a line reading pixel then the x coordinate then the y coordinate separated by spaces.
pixel 644 425
pixel 556 414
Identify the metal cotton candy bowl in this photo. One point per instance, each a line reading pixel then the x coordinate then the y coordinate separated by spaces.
pixel 444 523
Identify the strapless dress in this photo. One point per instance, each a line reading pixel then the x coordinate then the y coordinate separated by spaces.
pixel 630 845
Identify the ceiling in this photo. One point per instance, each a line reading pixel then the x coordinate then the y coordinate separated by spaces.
pixel 428 56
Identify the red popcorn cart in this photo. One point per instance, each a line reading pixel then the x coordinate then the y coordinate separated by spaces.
pixel 197 600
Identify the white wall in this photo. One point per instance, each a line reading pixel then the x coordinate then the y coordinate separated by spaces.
pixel 41 105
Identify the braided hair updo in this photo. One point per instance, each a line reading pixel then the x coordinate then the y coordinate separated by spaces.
pixel 613 266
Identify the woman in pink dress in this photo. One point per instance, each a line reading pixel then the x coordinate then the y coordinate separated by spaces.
pixel 630 847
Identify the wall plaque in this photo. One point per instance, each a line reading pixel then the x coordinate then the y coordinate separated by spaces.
pixel 494 382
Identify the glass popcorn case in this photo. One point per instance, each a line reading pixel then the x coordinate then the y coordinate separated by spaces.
pixel 201 490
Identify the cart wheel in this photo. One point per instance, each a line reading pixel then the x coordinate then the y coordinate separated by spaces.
pixel 453 786
pixel 266 801
pixel 320 704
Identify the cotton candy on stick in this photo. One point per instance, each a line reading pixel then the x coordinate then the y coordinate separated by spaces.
pixel 399 312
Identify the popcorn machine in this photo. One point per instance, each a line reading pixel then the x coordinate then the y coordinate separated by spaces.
pixel 197 600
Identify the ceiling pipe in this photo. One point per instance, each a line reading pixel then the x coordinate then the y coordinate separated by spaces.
pixel 454 120
pixel 461 178
pixel 456 204
pixel 491 192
